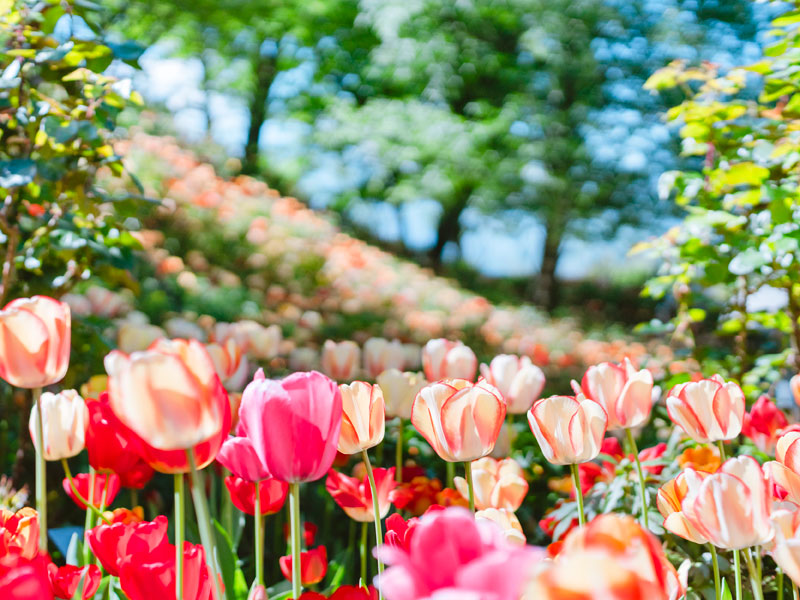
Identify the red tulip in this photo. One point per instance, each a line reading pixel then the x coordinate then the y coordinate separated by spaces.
pixel 313 566
pixel 109 446
pixel 763 424
pixel 355 497
pixel 293 424
pixel 106 488
pixel 152 575
pixel 309 533
pixel 137 476
pixel 65 580
pixel 112 544
pixel 34 341
pixel 243 494
pixel 24 578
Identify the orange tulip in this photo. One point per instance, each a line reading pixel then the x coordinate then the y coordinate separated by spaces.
pixel 730 508
pixel 708 410
pixel 624 393
pixel 340 360
pixel 19 532
pixel 518 379
pixel 169 395
pixel 497 484
pixel 380 354
pixel 443 359
pixel 64 421
pixel 701 458
pixel 569 430
pixel 34 341
pixel 363 417
pixel 508 522
pixel 399 391
pixel 785 471
pixel 460 420
pixel 669 500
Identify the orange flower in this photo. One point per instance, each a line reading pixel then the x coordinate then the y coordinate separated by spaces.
pixel 19 531
pixel 363 417
pixel 670 498
pixel 451 497
pixel 125 516
pixel 417 495
pixel 700 458
pixel 313 565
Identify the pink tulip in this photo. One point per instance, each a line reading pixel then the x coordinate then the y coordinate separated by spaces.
pixel 239 456
pixel 518 379
pixel 569 430
pixel 785 470
pixel 340 360
pixel 451 555
pixel 730 508
pixel 381 354
pixel 363 417
pixel 169 395
pixel 443 359
pixel 460 420
pixel 293 424
pixel 709 410
pixel 624 393
pixel 497 484
pixel 34 341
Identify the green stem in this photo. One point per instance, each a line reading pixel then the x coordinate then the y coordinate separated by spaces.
pixel 451 473
pixel 294 514
pixel 640 471
pixel 470 485
pixel 576 481
pixel 376 509
pixel 715 565
pixel 204 523
pixel 755 576
pixel 134 498
pixel 779 583
pixel 795 594
pixel 510 431
pixel 364 533
pixel 721 447
pixel 180 531
pixel 88 521
pixel 398 454
pixel 259 532
pixel 78 495
pixel 41 471
pixel 737 571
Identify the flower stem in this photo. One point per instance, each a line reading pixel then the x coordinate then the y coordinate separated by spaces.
pixel 398 453
pixel 204 523
pixel 451 473
pixel 795 594
pixel 88 521
pixel 180 531
pixel 576 481
pixel 41 471
pixel 715 565
pixel 721 447
pixel 755 576
pixel 737 571
pixel 470 485
pixel 779 583
pixel 259 532
pixel 376 509
pixel 640 472
pixel 294 515
pixel 78 495
pixel 364 535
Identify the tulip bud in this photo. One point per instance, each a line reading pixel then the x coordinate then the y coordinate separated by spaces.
pixel 518 379
pixel 443 359
pixel 340 360
pixel 381 354
pixel 569 430
pixel 64 421
pixel 399 390
pixel 709 410
pixel 624 393
pixel 363 417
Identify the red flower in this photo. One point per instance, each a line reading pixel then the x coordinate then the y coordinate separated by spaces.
pixel 110 448
pixel 612 447
pixel 353 592
pixel 763 423
pixel 65 580
pixel 399 531
pixel 313 566
pixel 137 476
pixel 103 495
pixel 653 453
pixel 354 495
pixel 243 494
pixel 309 533
pixel 144 576
pixel 112 544
pixel 24 578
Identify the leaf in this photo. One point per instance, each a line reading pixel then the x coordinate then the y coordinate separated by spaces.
pixel 725 592
pixel 228 562
pixel 16 172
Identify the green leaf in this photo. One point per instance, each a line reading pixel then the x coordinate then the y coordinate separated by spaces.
pixel 232 575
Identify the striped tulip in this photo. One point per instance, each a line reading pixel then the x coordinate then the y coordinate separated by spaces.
pixel 518 379
pixel 443 359
pixel 709 410
pixel 669 500
pixel 363 417
pixel 624 393
pixel 569 429
pixel 785 470
pixel 340 360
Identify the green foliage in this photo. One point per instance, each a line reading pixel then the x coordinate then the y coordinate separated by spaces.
pixel 57 111
pixel 740 236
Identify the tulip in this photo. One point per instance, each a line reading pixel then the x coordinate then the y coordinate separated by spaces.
pixel 354 496
pixel 340 360
pixel 243 495
pixel 569 431
pixel 112 544
pixel 227 359
pixel 24 578
pixel 102 494
pixel 65 580
pixel 34 341
pixel 19 532
pixel 64 419
pixel 623 392
pixel 443 359
pixel 309 533
pixel 313 565
pixel 670 500
pixel 133 336
pixel 786 550
pixel 399 390
pixel 499 484
pixel 709 410
pixel 109 447
pixel 253 338
pixel 363 417
pixel 700 458
pixel 124 515
pixel 153 575
pixel 137 476
pixel 507 521
pixel 238 455
pixel 763 424
pixel 794 384
pixel 518 379
pixel 381 354
pixel 785 470
pixel 453 554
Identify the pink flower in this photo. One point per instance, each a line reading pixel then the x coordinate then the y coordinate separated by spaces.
pixel 293 424
pixel 624 393
pixel 785 470
pixel 518 379
pixel 453 556
pixel 340 360
pixel 569 430
pixel 763 424
pixel 708 410
pixel 443 359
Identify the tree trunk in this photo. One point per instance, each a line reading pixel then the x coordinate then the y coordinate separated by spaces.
pixel 265 73
pixel 546 285
pixel 449 228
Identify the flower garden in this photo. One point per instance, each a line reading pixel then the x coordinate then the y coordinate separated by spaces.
pixel 210 391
